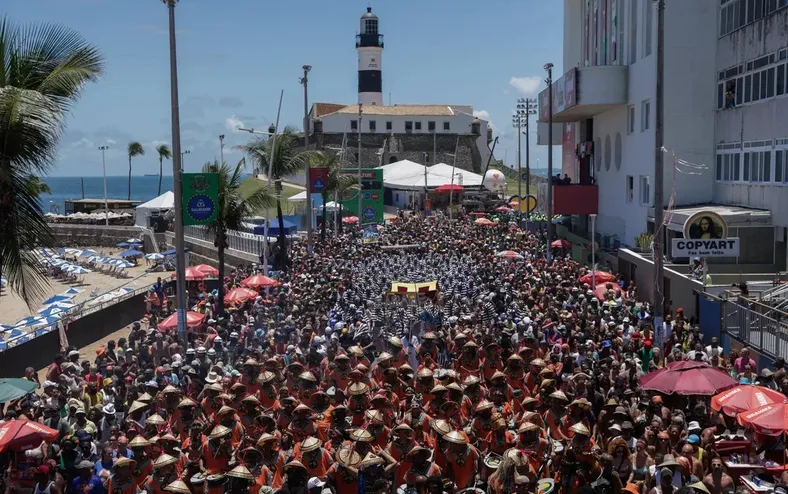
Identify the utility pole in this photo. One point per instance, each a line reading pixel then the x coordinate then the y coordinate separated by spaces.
pixel 180 254
pixel 550 227
pixel 360 193
pixel 305 81
pixel 659 137
pixel 184 153
pixel 525 108
pixel 104 167
pixel 517 124
pixel 426 156
pixel 221 150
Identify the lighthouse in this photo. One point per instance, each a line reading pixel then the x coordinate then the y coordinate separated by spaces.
pixel 369 45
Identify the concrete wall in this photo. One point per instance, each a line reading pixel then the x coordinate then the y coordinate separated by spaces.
pixel 73 235
pixel 38 353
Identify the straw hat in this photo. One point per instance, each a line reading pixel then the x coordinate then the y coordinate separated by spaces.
pixel 224 396
pixel 528 400
pixel 178 486
pixel 424 372
pixel 342 356
pixel 168 437
pixel 154 419
pixel 164 460
pixel 439 388
pixel 456 437
pixel 169 389
pixel 294 464
pixel 700 486
pixel 362 436
pixel 213 387
pixel 307 376
pixel 405 368
pixel 581 402
pixel 471 380
pixel 240 472
pixel 580 428
pixel 402 427
pixel 415 450
pixel 374 416
pixel 145 398
pixel 357 389
pixel 252 362
pixel 139 442
pixel 537 362
pixel 219 431
pixel 348 458
pixel 301 408
pixel 136 406
pixel 441 427
pixel 123 462
pixel 395 342
pixel 559 395
pixel 372 459
pixel 356 351
pixel 527 427
pixel 483 405
pixel 238 388
pixel 429 335
pixel 266 377
pixel 385 356
pixel 266 437
pixel 251 399
pixel 498 375
pixel 310 444
pixel 187 402
pixel 224 411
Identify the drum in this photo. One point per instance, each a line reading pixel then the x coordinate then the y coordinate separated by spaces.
pixel 197 482
pixel 492 460
pixel 558 447
pixel 545 486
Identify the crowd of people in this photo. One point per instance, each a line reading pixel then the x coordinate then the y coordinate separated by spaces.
pixel 513 376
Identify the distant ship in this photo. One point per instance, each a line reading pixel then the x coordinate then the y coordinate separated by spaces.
pixel 151 174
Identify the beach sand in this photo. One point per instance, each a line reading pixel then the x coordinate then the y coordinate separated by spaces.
pixel 13 308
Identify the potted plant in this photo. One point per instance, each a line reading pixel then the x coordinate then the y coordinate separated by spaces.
pixel 643 241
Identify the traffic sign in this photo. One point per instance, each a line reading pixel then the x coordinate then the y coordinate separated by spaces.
pixel 525 175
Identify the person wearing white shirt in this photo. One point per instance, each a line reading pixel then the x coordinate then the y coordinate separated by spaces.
pixel 714 347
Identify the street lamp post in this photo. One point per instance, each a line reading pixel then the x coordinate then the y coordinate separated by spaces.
pixel 360 193
pixel 305 81
pixel 549 68
pixel 184 153
pixel 659 267
pixel 593 250
pixel 221 149
pixel 104 167
pixel 180 254
pixel 525 108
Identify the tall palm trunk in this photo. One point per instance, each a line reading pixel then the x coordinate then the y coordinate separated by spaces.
pixel 323 225
pixel 129 178
pixel 221 241
pixel 339 224
pixel 282 236
pixel 161 168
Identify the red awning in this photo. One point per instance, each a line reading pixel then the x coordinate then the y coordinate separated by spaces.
pixel 446 188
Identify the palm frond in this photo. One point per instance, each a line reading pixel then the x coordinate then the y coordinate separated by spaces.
pixel 164 151
pixel 135 149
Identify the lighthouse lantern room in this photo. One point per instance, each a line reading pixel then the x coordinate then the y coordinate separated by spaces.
pixel 369 45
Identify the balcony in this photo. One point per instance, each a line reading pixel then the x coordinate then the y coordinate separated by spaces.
pixel 584 92
pixel 575 199
pixel 375 40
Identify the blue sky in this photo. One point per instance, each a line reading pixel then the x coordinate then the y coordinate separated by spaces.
pixel 236 55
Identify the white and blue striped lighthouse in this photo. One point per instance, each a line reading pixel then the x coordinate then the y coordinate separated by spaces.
pixel 369 44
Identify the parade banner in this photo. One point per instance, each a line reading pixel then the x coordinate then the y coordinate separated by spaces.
pixel 200 198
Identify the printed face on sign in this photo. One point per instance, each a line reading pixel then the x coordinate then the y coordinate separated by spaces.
pixel 705 225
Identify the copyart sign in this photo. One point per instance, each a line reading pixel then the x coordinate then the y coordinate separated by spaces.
pixel 683 247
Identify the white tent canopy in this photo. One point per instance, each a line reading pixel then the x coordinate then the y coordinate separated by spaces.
pixel 154 207
pixel 408 175
pixel 300 197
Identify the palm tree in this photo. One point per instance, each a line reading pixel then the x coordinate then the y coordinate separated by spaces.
pixel 135 149
pixel 164 153
pixel 343 190
pixel 234 209
pixel 36 187
pixel 287 161
pixel 43 70
pixel 336 180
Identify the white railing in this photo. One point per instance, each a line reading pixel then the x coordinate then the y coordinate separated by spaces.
pixel 240 241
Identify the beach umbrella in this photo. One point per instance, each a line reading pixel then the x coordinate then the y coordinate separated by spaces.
pixel 134 241
pixel 503 209
pixel 193 319
pixel 57 298
pixel 509 254
pixel 191 274
pixel 87 253
pixel 4 328
pixel 154 257
pixel 743 398
pixel 131 253
pixel 28 321
pixel 78 270
pixel 72 251
pixel 602 290
pixel 259 281
pixel 21 435
pixel 71 292
pixel 122 244
pixel 350 220
pixel 123 264
pixel 447 188
pixel 483 222
pixel 688 378
pixel 771 419
pixel 601 277
pixel 47 320
pixel 561 244
pixel 239 295
pixel 12 388
pixel 50 311
pixel 63 305
pixel 207 270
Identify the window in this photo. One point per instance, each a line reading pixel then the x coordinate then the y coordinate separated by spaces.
pixel 645 190
pixel 418 125
pixel 408 126
pixel 781 79
pixel 770 81
pixel 758 162
pixel 373 126
pixel 648 28
pixel 431 126
pixel 388 126
pixel 728 167
pixel 633 32
pixel 781 166
pixel 631 119
pixel 354 125
pixel 446 125
pixel 645 115
pixel 630 189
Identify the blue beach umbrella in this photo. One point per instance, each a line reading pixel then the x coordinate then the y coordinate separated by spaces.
pixel 134 241
pixel 154 257
pixel 131 253
pixel 71 292
pixel 57 298
pixel 50 311
pixel 28 321
pixel 122 244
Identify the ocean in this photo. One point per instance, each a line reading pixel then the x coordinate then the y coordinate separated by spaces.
pixel 143 188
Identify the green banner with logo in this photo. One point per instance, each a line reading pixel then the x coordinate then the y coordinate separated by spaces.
pixel 200 198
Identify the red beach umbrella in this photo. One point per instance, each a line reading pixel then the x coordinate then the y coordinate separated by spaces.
pixel 446 188
pixel 484 222
pixel 743 398
pixel 601 290
pixel 239 295
pixel 561 244
pixel 601 277
pixel 688 378
pixel 21 435
pixel 350 220
pixel 259 281
pixel 207 270
pixel 193 319
pixel 771 420
pixel 192 274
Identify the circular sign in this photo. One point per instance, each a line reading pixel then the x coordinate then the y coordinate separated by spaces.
pixel 705 225
pixel 318 185
pixel 375 196
pixel 369 213
pixel 367 196
pixel 200 207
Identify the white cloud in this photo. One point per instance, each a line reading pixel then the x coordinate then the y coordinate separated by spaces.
pixel 84 143
pixel 233 123
pixel 111 142
pixel 527 86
